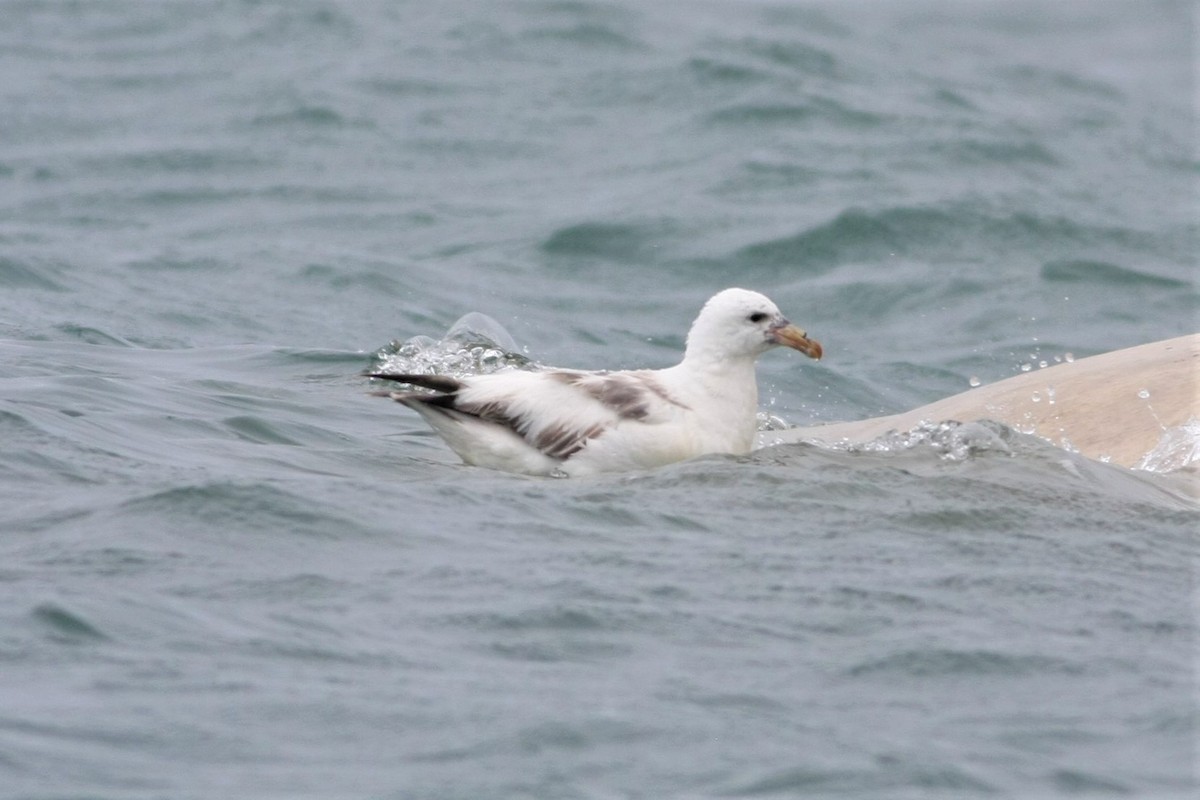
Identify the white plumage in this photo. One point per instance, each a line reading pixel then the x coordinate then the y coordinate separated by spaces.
pixel 570 422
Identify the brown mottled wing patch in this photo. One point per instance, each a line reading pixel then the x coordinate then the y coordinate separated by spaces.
pixel 492 412
pixel 627 395
pixel 563 442
pixel 654 386
pixel 556 441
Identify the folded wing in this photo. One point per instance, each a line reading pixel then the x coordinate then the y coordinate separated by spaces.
pixel 555 412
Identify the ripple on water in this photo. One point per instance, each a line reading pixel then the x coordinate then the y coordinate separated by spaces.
pixel 236 509
pixel 16 274
pixel 66 625
pixel 940 662
pixel 818 109
pixel 888 774
pixel 1104 272
pixel 258 430
pixel 618 242
pixel 865 235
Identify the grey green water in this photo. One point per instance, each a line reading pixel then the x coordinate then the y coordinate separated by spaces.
pixel 227 571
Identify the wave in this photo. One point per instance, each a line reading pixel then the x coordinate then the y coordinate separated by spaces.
pixel 857 234
pixel 66 624
pixel 235 508
pixel 613 241
pixel 26 274
pixel 756 115
pixel 1104 272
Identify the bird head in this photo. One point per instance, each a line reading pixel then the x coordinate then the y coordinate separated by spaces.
pixel 739 324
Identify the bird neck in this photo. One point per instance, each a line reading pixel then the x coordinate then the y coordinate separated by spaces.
pixel 721 375
pixel 725 394
pixel 707 360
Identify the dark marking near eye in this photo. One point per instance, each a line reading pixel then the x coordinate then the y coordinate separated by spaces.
pixel 757 316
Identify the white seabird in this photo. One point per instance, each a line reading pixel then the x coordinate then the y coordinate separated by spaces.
pixel 572 422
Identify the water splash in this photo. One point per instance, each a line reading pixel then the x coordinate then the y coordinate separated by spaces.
pixel 1177 448
pixel 771 422
pixel 950 441
pixel 474 345
pixel 1038 360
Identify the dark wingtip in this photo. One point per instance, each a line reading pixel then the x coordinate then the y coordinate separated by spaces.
pixel 438 383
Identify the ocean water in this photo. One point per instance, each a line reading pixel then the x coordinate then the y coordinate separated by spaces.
pixel 227 571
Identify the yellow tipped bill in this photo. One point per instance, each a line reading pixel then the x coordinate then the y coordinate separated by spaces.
pixel 791 336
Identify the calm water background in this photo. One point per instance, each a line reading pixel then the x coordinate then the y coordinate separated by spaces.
pixel 225 571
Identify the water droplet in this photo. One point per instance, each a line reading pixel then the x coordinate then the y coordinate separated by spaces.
pixel 1144 394
pixel 1069 358
pixel 1042 364
pixel 1050 394
pixel 1037 397
pixel 1026 367
pixel 974 381
pixel 1058 359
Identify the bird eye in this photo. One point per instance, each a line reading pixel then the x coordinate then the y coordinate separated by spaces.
pixel 757 316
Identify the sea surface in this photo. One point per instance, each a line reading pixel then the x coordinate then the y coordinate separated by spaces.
pixel 228 571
